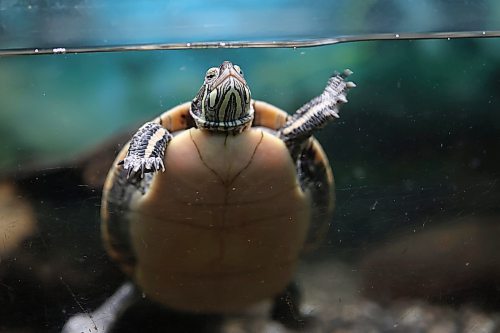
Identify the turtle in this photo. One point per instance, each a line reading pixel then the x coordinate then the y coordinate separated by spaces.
pixel 209 206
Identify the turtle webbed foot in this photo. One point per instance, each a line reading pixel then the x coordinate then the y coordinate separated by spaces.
pixel 140 165
pixel 317 112
pixel 146 150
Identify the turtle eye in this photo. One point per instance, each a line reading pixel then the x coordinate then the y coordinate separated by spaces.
pixel 238 69
pixel 211 73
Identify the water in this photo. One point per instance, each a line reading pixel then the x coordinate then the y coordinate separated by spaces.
pixel 253 44
pixel 415 158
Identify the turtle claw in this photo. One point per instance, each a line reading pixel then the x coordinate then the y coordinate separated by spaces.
pixel 146 150
pixel 140 165
pixel 346 73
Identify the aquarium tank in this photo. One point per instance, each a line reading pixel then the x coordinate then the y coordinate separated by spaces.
pixel 412 244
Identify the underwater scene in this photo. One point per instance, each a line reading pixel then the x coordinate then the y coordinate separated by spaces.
pixel 222 215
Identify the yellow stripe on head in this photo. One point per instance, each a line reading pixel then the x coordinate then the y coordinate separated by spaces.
pixel 224 101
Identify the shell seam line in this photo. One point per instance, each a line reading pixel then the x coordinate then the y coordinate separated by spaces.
pixel 227 184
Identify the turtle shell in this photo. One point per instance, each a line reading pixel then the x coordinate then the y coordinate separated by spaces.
pixel 223 227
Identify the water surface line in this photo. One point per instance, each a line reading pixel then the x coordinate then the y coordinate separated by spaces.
pixel 254 44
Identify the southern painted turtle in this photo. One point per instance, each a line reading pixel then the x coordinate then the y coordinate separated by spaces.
pixel 209 206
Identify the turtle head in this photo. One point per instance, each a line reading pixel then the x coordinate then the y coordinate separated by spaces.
pixel 223 103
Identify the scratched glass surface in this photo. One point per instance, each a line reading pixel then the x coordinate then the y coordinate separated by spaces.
pixel 413 241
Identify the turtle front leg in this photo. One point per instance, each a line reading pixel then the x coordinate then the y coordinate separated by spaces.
pixel 316 113
pixel 147 150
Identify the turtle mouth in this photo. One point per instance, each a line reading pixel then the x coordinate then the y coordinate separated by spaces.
pixel 228 73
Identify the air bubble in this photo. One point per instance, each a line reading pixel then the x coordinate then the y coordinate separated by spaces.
pixel 59 50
